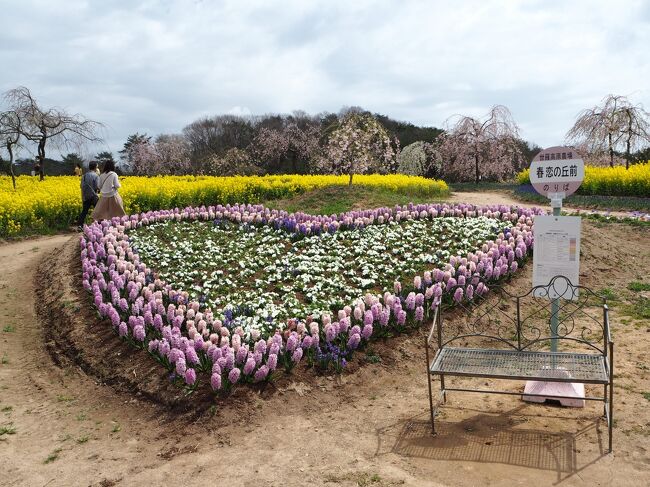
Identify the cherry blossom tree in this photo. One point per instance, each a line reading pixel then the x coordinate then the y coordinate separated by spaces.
pixel 10 133
pixel 299 145
pixel 234 162
pixel 420 159
pixel 616 125
pixel 358 145
pixel 481 148
pixel 41 125
pixel 168 154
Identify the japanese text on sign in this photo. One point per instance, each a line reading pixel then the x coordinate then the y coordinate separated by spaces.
pixel 557 171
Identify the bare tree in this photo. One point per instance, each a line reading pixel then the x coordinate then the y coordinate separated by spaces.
pixel 40 125
pixel 484 148
pixel 613 125
pixel 10 130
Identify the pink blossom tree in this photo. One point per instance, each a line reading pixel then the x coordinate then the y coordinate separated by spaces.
pixel 420 159
pixel 234 162
pixel 481 148
pixel 299 145
pixel 616 125
pixel 168 154
pixel 358 145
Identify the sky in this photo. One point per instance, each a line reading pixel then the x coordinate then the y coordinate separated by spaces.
pixel 158 65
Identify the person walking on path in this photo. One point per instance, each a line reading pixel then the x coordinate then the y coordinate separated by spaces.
pixel 89 189
pixel 110 203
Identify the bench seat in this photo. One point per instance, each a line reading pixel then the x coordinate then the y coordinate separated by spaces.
pixel 525 365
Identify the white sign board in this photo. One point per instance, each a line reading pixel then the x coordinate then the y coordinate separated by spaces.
pixel 557 171
pixel 556 252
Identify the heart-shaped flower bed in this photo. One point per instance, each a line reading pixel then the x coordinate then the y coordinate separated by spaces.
pixel 234 292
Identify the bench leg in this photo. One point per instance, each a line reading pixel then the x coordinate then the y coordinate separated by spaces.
pixel 442 389
pixel 426 348
pixel 611 394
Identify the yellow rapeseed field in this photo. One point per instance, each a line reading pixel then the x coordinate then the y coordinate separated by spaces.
pixel 610 181
pixel 42 206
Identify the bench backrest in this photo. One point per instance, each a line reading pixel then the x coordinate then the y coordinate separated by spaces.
pixel 522 321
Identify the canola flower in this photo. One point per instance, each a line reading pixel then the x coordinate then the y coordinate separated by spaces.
pixel 610 181
pixel 41 206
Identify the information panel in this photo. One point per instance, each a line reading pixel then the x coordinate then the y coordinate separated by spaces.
pixel 556 251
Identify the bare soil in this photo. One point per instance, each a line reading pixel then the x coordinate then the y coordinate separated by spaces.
pixel 80 407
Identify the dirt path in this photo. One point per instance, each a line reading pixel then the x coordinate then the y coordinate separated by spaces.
pixel 367 428
pixel 494 198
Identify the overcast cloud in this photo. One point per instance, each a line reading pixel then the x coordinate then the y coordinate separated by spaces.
pixel 158 66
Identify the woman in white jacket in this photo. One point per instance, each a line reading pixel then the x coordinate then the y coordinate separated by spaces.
pixel 110 203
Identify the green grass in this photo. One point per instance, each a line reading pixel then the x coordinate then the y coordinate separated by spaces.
pixel 339 199
pixel 53 456
pixel 640 309
pixel 485 186
pixel 619 203
pixel 8 429
pixel 7 409
pixel 637 286
pixel 372 357
pixel 608 294
pixel 63 398
pixel 83 439
pixel 5 359
pixel 8 329
pixel 116 428
pixel 646 395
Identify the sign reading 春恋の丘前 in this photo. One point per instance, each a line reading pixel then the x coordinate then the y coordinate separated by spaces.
pixel 556 252
pixel 557 171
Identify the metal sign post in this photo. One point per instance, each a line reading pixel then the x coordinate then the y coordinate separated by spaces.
pixel 556 173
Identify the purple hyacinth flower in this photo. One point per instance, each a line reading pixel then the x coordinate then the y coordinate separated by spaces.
pixel 241 355
pixel 123 329
pixel 292 342
pixel 353 341
pixel 234 375
pixel 261 373
pixel 410 301
pixel 249 366
pixel 458 295
pixel 401 317
pixel 139 333
pixel 272 361
pixel 419 314
pixel 190 376
pixel 191 355
pixel 469 292
pixel 368 318
pixel 296 356
pixel 366 332
pixel 384 317
pixel 181 366
pixel 215 381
